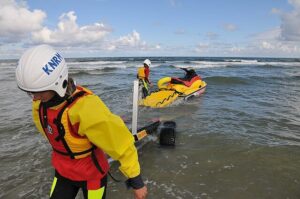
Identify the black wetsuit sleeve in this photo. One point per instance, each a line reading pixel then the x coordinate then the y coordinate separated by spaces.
pixel 135 183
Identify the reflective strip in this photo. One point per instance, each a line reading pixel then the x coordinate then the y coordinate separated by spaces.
pixel 53 186
pixel 141 134
pixel 96 194
pixel 145 85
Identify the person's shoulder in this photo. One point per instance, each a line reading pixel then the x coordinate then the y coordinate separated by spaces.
pixel 89 98
pixel 88 105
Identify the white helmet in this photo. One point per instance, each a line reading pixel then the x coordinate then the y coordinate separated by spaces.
pixel 147 62
pixel 41 68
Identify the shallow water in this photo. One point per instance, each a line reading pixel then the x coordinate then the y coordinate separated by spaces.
pixel 240 139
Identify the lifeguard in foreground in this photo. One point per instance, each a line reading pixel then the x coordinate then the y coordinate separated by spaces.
pixel 79 127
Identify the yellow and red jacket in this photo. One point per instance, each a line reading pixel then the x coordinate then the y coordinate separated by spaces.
pixel 80 129
pixel 143 73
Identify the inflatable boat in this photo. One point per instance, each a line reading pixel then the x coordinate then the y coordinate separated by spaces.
pixel 173 90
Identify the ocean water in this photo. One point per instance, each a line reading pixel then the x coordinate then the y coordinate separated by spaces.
pixel 240 139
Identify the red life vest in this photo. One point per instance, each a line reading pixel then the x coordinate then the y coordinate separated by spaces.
pixel 68 144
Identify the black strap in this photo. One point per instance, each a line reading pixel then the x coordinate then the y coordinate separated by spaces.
pixel 43 115
pixel 76 154
pixel 61 131
pixel 60 127
pixel 95 161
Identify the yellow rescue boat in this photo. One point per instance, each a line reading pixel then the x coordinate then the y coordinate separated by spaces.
pixel 172 90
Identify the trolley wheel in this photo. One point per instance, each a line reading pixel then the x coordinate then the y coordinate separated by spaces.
pixel 167 134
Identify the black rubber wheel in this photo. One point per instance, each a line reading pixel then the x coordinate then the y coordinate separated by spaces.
pixel 167 136
pixel 169 124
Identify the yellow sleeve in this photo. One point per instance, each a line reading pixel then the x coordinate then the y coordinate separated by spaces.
pixel 107 131
pixel 36 118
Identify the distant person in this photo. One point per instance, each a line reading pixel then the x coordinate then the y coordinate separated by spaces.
pixel 79 127
pixel 143 76
pixel 189 77
pixel 190 73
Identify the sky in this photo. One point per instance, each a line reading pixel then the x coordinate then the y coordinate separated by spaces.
pixel 114 28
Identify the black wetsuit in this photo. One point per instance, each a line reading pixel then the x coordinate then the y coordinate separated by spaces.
pixel 64 188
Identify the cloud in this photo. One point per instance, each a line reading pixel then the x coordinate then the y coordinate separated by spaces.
pixel 202 47
pixel 290 23
pixel 17 21
pixel 270 43
pixel 295 3
pixel 69 33
pixel 275 11
pixel 230 27
pixel 211 35
pixel 20 26
pixel 132 42
pixel 174 3
pixel 272 34
pixel 222 49
pixel 266 44
pixel 281 41
pixel 180 32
